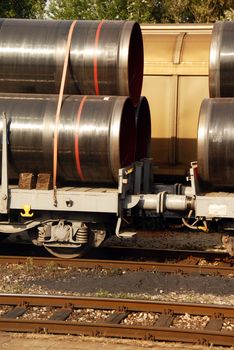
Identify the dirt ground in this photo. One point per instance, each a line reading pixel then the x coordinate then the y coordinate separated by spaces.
pixel 16 341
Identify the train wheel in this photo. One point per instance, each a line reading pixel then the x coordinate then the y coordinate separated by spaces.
pixel 68 253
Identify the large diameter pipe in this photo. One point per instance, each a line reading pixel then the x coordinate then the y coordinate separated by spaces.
pixel 97 136
pixel 221 68
pixel 106 57
pixel 216 142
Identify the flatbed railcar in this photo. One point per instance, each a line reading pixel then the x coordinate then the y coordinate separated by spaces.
pixel 69 220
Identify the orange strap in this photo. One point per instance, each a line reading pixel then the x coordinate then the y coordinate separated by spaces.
pixel 58 111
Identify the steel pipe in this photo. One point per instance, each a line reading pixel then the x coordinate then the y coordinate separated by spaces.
pixel 221 68
pixel 216 142
pixel 106 58
pixel 143 126
pixel 97 136
pixel 148 201
pixel 170 202
pixel 176 202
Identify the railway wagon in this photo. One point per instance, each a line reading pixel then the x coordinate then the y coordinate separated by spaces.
pixel 176 69
pixel 89 143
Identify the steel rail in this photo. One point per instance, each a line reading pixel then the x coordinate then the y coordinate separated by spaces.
pixel 115 304
pixel 122 264
pixel 165 253
pixel 117 251
pixel 133 332
pixel 112 327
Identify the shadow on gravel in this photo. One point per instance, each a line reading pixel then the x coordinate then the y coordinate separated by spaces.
pixel 139 282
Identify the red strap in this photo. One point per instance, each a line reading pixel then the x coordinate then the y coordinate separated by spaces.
pixel 59 105
pixel 77 154
pixel 95 66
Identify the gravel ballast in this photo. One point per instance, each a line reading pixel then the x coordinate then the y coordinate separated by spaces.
pixel 27 278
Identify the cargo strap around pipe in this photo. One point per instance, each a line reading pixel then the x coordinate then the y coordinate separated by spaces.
pixel 58 111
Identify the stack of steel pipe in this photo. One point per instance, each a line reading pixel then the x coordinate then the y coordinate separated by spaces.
pixel 101 114
pixel 216 121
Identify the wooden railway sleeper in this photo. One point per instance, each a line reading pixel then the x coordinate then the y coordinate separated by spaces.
pixel 15 312
pixel 61 314
pixel 215 323
pixel 116 318
pixel 165 319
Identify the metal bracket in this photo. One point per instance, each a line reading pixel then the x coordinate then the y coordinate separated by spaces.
pixel 125 182
pixel 161 198
pixel 178 48
pixel 138 177
pixel 4 172
pixel 147 175
pixel 117 229
pixel 194 179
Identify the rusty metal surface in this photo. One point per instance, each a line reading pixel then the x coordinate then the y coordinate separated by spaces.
pixel 132 332
pixel 180 267
pixel 115 329
pixel 115 304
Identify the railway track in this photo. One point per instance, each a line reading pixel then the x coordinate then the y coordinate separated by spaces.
pixel 64 317
pixel 151 260
pixel 123 264
pixel 29 249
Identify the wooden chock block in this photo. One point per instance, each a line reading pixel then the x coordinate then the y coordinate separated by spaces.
pixel 27 181
pixel 44 181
